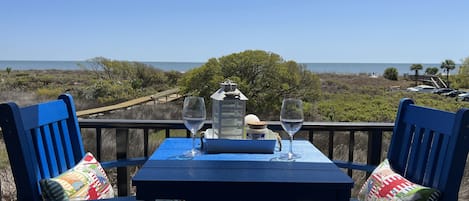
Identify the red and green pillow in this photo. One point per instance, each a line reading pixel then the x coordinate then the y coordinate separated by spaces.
pixel 86 181
pixel 385 184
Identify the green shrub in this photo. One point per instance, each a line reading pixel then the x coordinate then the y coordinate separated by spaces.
pixel 49 93
pixel 391 73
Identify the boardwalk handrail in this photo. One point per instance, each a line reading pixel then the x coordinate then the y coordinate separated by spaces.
pixel 435 80
pixel 129 103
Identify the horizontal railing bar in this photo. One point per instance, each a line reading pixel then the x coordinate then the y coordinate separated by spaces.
pixel 274 125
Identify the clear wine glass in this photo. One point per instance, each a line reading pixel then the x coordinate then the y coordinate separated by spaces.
pixel 291 118
pixel 193 114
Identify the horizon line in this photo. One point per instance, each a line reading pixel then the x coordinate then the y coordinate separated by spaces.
pixel 44 60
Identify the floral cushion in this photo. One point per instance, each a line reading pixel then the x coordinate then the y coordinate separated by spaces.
pixel 86 181
pixel 385 184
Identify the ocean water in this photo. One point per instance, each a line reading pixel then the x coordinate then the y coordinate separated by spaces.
pixel 77 65
pixel 340 68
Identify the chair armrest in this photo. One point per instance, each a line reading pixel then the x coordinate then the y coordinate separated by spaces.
pixel 354 166
pixel 124 162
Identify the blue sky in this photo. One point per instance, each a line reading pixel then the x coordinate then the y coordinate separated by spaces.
pixel 374 31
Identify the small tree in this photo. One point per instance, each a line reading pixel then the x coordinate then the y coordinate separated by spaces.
pixel 8 69
pixel 431 71
pixel 390 73
pixel 462 78
pixel 447 65
pixel 416 68
pixel 264 77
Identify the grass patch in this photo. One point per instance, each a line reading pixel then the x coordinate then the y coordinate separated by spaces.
pixel 4 162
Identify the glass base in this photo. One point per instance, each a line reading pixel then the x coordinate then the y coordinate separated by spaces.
pixel 191 153
pixel 289 156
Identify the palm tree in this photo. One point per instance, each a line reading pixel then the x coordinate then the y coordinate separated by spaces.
pixel 447 65
pixel 431 70
pixel 416 68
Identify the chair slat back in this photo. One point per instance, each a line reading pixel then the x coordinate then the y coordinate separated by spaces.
pixel 42 141
pixel 430 146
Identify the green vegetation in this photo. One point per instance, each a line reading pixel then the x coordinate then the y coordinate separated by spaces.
pixel 48 92
pixel 264 77
pixel 461 80
pixel 371 100
pixel 431 71
pixel 447 65
pixel 416 68
pixel 8 70
pixel 4 162
pixel 105 82
pixel 391 73
pixel 122 80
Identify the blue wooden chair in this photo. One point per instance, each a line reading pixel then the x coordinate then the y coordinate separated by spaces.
pixel 430 147
pixel 42 141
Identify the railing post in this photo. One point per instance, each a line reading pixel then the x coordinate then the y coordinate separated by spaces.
pixel 123 173
pixel 98 143
pixel 351 148
pixel 375 141
pixel 331 144
pixel 145 142
pixel 167 133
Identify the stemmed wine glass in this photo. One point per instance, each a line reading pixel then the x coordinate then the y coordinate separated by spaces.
pixel 193 114
pixel 291 118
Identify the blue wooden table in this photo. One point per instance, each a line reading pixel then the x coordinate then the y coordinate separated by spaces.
pixel 240 176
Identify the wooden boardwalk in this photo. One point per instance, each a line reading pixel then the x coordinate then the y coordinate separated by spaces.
pixel 161 97
pixel 433 80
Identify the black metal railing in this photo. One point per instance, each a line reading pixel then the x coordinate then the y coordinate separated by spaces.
pixel 372 132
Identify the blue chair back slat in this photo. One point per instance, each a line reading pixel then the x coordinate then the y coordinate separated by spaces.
pixel 50 149
pixel 42 141
pixel 441 159
pixel 68 150
pixel 413 155
pixel 41 153
pixel 429 146
pixel 433 159
pixel 59 149
pixel 405 140
pixel 422 159
pixel 73 128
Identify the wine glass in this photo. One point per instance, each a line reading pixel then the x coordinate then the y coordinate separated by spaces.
pixel 291 118
pixel 193 114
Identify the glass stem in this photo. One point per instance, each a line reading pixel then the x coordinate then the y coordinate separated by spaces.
pixel 291 146
pixel 193 142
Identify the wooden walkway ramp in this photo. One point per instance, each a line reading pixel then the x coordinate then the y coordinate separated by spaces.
pixel 161 97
